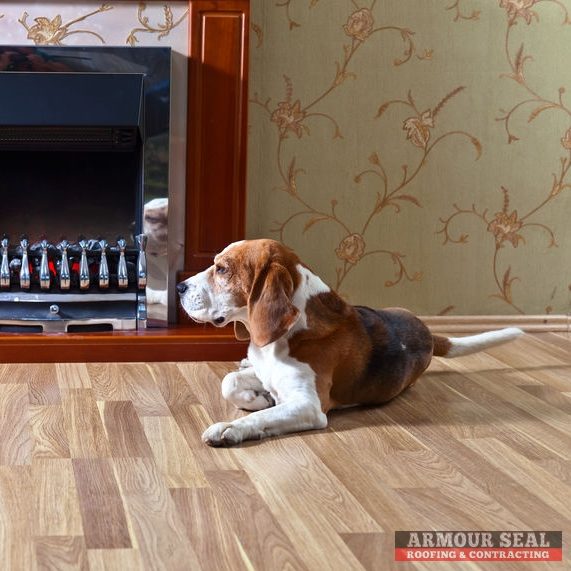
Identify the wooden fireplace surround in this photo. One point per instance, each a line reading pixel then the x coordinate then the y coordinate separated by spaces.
pixel 215 200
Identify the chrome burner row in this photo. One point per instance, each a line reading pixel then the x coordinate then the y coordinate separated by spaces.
pixel 50 272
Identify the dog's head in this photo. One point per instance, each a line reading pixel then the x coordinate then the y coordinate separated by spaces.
pixel 251 283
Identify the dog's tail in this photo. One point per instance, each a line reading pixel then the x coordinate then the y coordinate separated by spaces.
pixel 458 346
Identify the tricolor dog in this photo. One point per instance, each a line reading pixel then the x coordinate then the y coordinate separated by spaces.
pixel 310 351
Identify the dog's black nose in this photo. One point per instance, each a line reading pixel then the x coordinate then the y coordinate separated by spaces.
pixel 181 287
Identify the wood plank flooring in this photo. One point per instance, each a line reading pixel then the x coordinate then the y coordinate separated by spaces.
pixel 102 467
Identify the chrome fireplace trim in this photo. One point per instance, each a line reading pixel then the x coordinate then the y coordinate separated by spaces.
pixel 57 313
pixel 62 297
pixel 62 326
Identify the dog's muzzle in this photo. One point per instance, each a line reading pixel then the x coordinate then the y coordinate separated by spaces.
pixel 191 295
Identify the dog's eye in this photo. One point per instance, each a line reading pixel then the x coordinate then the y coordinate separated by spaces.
pixel 221 269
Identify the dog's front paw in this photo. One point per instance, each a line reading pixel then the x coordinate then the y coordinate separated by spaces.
pixel 245 364
pixel 222 434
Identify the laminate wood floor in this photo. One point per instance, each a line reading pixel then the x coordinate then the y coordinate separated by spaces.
pixel 102 467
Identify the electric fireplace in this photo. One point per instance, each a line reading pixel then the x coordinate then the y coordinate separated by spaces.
pixel 84 139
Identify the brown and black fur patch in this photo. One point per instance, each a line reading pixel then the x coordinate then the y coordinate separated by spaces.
pixel 401 351
pixel 361 355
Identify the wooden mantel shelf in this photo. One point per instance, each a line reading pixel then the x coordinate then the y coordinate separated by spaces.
pixel 178 343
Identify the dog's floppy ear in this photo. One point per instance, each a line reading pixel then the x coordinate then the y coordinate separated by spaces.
pixel 241 331
pixel 271 312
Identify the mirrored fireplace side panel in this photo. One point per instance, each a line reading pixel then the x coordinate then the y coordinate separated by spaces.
pixel 84 153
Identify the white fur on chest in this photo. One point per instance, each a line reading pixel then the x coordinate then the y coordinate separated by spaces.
pixel 282 375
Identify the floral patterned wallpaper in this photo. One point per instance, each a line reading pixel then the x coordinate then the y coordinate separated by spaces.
pixel 417 153
pixel 413 153
pixel 94 23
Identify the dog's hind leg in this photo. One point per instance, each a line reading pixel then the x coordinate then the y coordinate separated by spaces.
pixel 244 390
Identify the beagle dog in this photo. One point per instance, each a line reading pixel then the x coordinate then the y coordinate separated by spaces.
pixel 310 351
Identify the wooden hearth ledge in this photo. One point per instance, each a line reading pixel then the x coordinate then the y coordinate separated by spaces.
pixel 179 343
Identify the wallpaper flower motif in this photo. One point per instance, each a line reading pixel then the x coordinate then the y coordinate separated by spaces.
pixel 505 227
pixel 52 32
pixel 418 129
pixel 351 249
pixel 360 24
pixel 288 117
pixel 519 9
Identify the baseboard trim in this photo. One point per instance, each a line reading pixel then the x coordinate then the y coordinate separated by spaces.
pixel 478 323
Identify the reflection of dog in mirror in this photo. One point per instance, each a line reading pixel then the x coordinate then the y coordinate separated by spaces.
pixel 155 226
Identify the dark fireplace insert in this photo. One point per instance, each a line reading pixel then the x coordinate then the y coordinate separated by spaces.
pixel 84 140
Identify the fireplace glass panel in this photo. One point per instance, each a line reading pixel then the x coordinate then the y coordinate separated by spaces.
pixel 55 195
pixel 84 191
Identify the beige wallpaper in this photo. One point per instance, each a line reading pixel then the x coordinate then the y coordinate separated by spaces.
pixel 417 152
pixel 414 153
